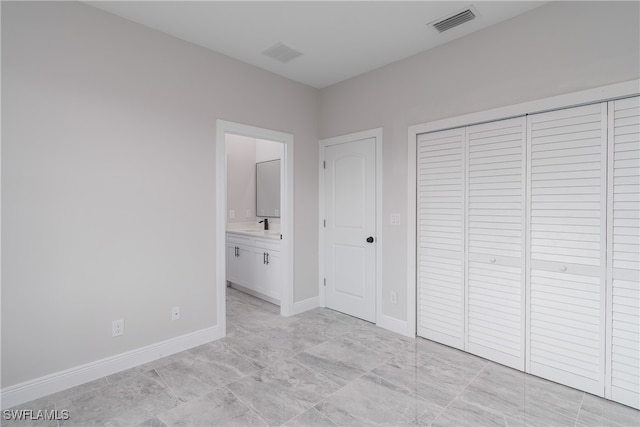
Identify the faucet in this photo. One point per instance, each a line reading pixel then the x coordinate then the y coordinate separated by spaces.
pixel 266 223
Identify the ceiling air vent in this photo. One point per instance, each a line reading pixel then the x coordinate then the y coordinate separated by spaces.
pixel 455 20
pixel 281 52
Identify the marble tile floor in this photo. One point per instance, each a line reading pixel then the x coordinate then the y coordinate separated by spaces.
pixel 323 368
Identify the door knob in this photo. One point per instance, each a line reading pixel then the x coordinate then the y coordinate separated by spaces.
pixel 369 239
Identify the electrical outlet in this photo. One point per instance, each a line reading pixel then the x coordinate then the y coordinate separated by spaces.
pixel 394 219
pixel 117 328
pixel 248 213
pixel 394 297
pixel 175 313
pixel 232 214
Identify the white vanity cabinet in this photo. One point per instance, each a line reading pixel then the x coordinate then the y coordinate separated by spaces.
pixel 253 264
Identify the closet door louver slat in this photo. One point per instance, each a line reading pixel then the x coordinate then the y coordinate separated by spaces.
pixel 567 202
pixel 495 241
pixel 440 237
pixel 623 368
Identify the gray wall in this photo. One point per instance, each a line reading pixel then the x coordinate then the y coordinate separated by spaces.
pixel 108 181
pixel 555 49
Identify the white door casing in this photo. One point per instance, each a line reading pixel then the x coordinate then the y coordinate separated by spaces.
pixel 350 228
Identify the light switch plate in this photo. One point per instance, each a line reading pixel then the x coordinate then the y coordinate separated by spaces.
pixel 394 297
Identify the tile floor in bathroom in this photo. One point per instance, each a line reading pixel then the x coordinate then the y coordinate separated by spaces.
pixel 323 368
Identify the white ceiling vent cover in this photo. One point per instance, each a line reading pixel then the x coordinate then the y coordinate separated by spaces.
pixel 281 52
pixel 455 20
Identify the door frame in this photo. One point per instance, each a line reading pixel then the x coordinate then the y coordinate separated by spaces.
pixel 376 134
pixel 223 128
pixel 573 99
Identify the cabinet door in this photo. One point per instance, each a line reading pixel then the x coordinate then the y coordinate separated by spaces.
pixel 272 274
pixel 495 241
pixel 238 263
pixel 623 367
pixel 232 263
pixel 440 237
pixel 266 265
pixel 243 273
pixel 567 199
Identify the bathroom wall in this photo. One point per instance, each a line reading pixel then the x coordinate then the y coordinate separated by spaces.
pixel 268 150
pixel 242 155
pixel 241 178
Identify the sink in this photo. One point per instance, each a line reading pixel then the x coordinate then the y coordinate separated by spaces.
pixel 257 232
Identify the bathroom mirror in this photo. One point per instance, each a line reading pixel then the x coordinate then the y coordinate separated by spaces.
pixel 268 189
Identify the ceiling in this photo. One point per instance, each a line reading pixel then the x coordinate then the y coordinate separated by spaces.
pixel 338 39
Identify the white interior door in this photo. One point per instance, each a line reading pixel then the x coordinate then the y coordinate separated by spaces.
pixel 349 233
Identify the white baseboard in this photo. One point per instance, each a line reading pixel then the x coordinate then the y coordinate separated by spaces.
pixel 395 325
pixel 58 381
pixel 305 305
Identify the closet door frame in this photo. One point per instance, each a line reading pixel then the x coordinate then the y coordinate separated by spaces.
pixel 604 93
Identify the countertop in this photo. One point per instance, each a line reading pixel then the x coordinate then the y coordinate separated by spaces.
pixel 254 232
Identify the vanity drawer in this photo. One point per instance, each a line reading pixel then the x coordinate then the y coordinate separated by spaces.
pixel 239 239
pixel 267 244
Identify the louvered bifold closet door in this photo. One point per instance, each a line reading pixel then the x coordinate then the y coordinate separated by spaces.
pixel 567 200
pixel 623 365
pixel 495 240
pixel 440 237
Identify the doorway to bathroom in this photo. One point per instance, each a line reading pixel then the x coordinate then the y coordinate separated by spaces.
pixel 256 257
